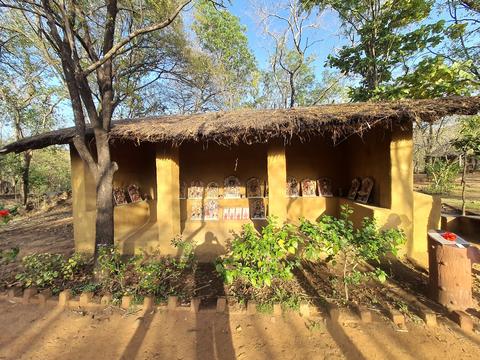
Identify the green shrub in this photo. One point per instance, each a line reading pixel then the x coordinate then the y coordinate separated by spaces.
pixel 8 256
pixel 442 175
pixel 259 258
pixel 42 270
pixel 337 239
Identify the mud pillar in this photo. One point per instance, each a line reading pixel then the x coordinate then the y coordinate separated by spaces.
pixel 277 179
pixel 168 196
pixel 401 162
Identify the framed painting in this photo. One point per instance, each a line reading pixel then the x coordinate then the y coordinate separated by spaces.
pixel 119 196
pixel 309 188
pixel 365 190
pixel 254 189
pixel 325 187
pixel 195 190
pixel 134 193
pixel 210 210
pixel 212 190
pixel 293 187
pixel 352 193
pixel 231 188
pixel 197 211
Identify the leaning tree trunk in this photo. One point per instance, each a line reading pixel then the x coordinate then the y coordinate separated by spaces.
pixel 27 158
pixel 464 184
pixel 104 233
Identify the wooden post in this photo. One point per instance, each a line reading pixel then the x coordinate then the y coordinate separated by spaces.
pixel 450 275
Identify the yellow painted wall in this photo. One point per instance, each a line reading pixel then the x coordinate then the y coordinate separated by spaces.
pixel 159 170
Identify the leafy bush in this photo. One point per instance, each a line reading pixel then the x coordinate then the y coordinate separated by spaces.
pixel 442 175
pixel 8 256
pixel 145 274
pixel 41 270
pixel 51 270
pixel 259 258
pixel 340 242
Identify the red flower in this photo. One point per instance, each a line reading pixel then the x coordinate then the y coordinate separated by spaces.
pixel 4 213
pixel 449 236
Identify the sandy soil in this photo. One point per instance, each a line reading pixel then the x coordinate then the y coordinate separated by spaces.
pixel 30 332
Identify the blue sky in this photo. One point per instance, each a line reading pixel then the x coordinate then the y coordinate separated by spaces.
pixel 327 35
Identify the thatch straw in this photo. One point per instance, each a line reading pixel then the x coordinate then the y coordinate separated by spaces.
pixel 255 126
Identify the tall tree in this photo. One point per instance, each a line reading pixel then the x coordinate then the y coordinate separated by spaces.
pixel 223 38
pixel 27 101
pixel 384 37
pixel 88 38
pixel 468 144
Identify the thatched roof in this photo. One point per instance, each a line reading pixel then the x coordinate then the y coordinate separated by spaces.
pixel 254 126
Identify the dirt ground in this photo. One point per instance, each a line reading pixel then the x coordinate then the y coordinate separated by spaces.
pixel 31 332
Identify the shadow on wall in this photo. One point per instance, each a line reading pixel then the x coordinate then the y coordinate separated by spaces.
pixel 209 249
pixel 468 227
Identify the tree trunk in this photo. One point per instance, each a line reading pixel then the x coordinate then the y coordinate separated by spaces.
pixel 104 234
pixel 464 183
pixel 27 158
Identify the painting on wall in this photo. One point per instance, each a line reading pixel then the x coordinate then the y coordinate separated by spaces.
pixel 231 188
pixel 195 190
pixel 119 196
pixel 212 191
pixel 365 190
pixel 210 210
pixel 352 193
pixel 254 189
pixel 183 190
pixel 245 213
pixel 257 209
pixel 293 187
pixel 309 188
pixel 197 211
pixel 325 187
pixel 134 193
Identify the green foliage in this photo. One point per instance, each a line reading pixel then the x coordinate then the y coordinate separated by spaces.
pixel 385 35
pixel 223 37
pixel 442 175
pixel 341 243
pixel 468 143
pixel 8 256
pixel 260 258
pixel 41 270
pixel 52 270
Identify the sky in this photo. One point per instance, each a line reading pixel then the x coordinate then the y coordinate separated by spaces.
pixel 327 34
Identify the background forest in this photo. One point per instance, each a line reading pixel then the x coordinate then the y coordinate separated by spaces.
pixel 272 54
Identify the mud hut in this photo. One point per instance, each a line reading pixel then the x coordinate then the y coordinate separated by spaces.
pixel 203 175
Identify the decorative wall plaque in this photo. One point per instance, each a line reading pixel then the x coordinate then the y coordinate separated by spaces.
pixel 119 196
pixel 212 191
pixel 134 193
pixel 325 187
pixel 257 209
pixel 231 188
pixel 210 210
pixel 309 188
pixel 254 189
pixel 293 187
pixel 197 211
pixel 352 193
pixel 195 190
pixel 365 190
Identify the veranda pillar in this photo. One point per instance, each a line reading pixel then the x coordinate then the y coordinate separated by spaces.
pixel 401 161
pixel 168 191
pixel 277 178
